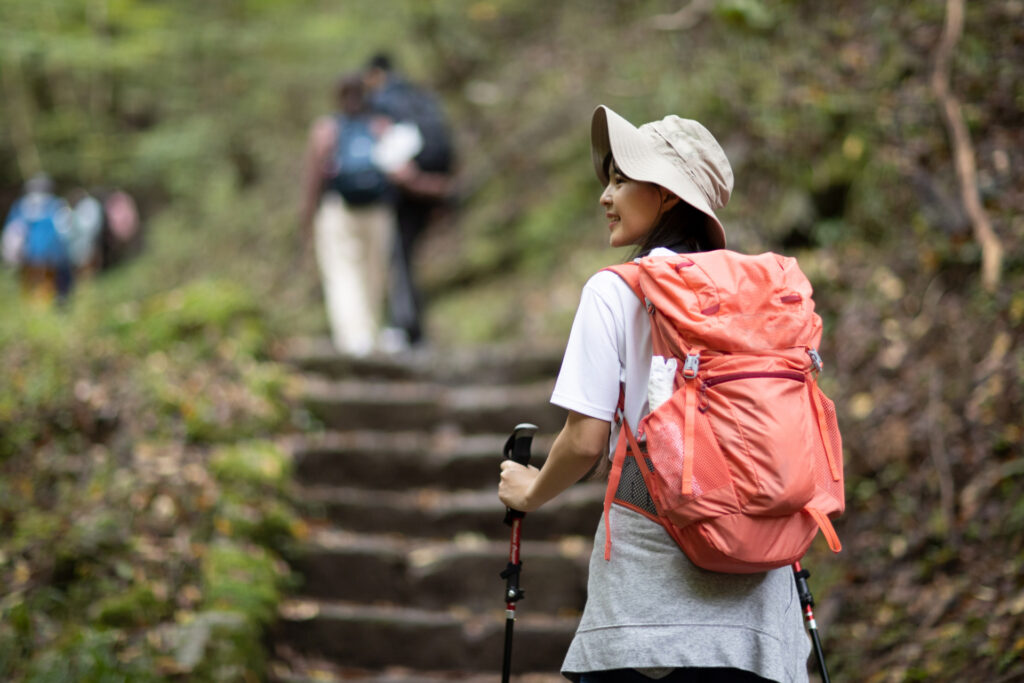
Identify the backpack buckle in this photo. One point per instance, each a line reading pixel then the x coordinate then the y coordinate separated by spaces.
pixel 691 365
pixel 815 360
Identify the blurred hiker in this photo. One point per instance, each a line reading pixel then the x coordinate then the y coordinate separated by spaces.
pixel 84 235
pixel 651 612
pixel 35 238
pixel 121 232
pixel 422 185
pixel 346 199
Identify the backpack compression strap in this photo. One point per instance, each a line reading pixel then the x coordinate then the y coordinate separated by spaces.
pixel 613 485
pixel 827 530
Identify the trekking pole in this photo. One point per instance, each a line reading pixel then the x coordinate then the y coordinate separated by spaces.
pixel 807 603
pixel 518 448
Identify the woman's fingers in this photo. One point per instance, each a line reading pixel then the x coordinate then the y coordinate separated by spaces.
pixel 515 484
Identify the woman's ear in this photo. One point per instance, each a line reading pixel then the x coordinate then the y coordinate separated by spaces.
pixel 668 199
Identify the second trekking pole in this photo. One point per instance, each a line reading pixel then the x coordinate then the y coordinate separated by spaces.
pixel 807 602
pixel 517 448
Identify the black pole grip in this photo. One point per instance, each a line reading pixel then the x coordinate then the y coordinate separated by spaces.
pixel 518 445
pixel 518 449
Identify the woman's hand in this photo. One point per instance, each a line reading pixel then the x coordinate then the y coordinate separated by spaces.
pixel 582 441
pixel 514 488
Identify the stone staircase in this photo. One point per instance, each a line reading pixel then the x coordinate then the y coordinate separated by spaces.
pixel 400 573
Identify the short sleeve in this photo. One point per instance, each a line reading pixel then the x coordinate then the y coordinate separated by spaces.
pixel 588 382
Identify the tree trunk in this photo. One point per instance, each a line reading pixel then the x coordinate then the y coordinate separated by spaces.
pixel 963 151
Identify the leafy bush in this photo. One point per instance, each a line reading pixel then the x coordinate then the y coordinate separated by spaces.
pixel 139 539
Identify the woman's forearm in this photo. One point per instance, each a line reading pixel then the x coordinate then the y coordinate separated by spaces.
pixel 576 449
pixel 582 441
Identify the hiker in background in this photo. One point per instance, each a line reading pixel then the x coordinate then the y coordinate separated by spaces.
pixel 422 185
pixel 35 241
pixel 346 200
pixel 650 612
pixel 84 236
pixel 121 232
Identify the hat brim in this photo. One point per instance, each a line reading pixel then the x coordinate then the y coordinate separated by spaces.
pixel 633 154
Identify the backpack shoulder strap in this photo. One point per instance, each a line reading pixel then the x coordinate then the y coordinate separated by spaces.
pixel 630 274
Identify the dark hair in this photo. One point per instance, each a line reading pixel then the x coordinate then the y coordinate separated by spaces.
pixel 381 60
pixel 683 228
pixel 350 93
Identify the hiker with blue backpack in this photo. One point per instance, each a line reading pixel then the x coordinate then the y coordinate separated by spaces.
pixel 689 378
pixel 34 240
pixel 347 201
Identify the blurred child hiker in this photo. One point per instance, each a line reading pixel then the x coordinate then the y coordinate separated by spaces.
pixel 422 186
pixel 346 199
pixel 35 238
pixel 650 612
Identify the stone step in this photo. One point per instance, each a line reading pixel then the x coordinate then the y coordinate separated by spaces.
pixel 432 512
pixel 437 574
pixel 405 459
pixel 292 668
pixel 510 364
pixel 378 637
pixel 426 406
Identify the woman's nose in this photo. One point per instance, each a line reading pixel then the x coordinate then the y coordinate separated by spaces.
pixel 606 196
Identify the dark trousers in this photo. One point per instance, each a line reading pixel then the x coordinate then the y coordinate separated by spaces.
pixel 677 676
pixel 412 216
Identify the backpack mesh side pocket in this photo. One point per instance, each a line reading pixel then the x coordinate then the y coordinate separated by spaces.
pixel 632 491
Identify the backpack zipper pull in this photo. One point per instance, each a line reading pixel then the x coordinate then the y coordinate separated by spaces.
pixel 702 394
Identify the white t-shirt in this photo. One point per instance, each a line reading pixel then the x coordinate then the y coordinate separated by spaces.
pixel 610 343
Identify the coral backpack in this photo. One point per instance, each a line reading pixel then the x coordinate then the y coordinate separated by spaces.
pixel 743 458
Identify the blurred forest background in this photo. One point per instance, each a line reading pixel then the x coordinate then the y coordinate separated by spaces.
pixel 143 507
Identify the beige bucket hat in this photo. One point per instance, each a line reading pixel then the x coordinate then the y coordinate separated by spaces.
pixel 677 154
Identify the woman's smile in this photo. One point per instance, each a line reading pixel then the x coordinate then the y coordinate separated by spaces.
pixel 632 207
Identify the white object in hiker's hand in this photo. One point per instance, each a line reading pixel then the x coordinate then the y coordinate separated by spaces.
pixel 397 147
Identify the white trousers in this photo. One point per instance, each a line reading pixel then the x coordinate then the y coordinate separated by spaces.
pixel 353 248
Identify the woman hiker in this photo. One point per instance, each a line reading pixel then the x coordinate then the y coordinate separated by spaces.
pixel 651 614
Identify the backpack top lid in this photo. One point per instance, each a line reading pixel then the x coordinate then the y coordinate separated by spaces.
pixel 734 303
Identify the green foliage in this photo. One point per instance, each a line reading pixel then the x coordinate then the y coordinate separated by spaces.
pixel 217 646
pixel 137 606
pixel 125 542
pixel 750 14
pixel 201 314
pixel 255 466
pixel 240 578
pixel 87 654
pixel 255 509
